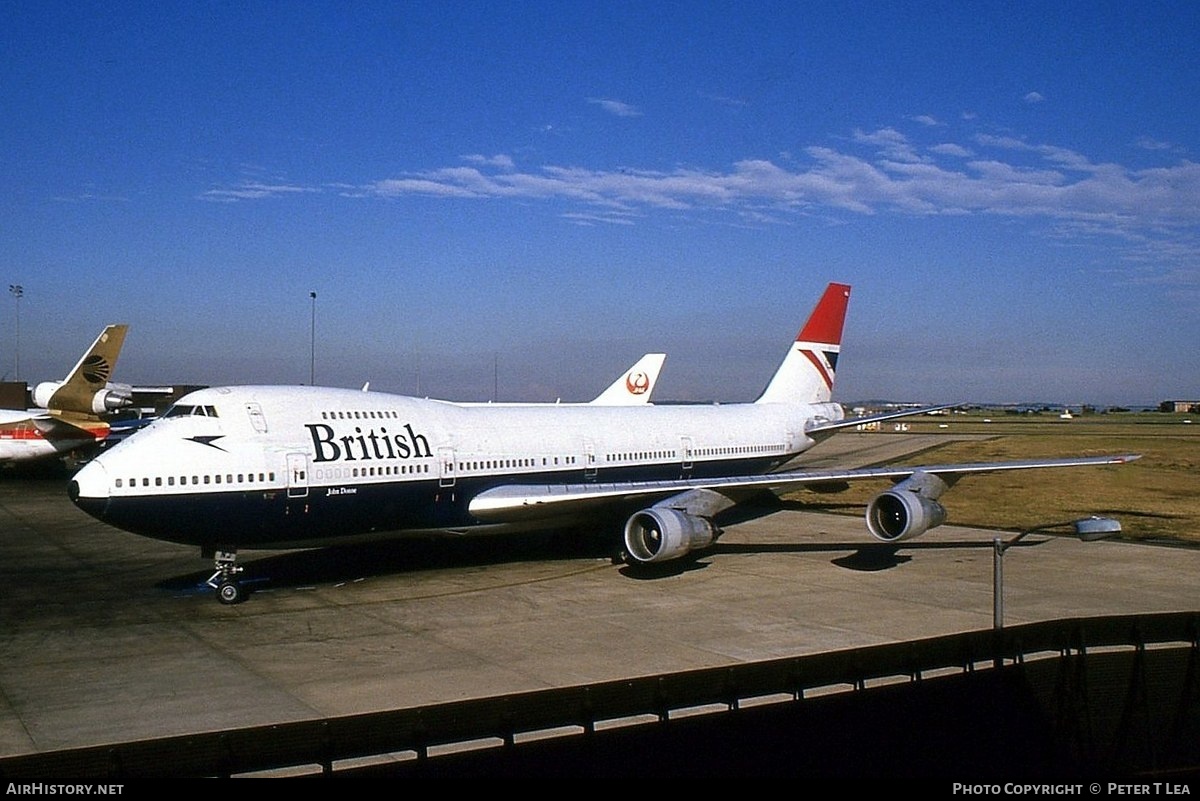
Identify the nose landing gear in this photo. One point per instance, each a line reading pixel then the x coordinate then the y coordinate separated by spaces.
pixel 224 580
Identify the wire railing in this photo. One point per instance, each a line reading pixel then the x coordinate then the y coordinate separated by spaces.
pixel 1158 657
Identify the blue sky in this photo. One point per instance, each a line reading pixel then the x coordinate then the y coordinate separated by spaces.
pixel 521 198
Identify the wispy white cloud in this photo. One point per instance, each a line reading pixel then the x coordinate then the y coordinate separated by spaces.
pixel 501 161
pixel 1146 143
pixel 890 142
pixel 615 107
pixel 436 184
pixel 1065 186
pixel 951 149
pixel 250 190
pixel 1156 145
pixel 89 197
pixel 592 218
pixel 1155 211
pixel 1000 175
pixel 723 100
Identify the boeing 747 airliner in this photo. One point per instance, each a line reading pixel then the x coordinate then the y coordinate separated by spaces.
pixel 269 467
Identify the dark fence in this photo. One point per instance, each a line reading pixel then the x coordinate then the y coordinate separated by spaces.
pixel 1115 694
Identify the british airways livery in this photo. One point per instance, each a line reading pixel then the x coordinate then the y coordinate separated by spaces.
pixel 270 467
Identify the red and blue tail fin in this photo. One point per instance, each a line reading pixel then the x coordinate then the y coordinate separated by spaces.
pixel 807 372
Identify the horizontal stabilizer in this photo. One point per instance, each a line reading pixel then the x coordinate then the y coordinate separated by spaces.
pixel 824 429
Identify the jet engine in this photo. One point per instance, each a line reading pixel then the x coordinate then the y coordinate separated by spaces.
pixel 908 509
pixel 43 392
pixel 111 398
pixel 661 534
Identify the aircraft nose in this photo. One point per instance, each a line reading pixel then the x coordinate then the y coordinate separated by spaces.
pixel 89 489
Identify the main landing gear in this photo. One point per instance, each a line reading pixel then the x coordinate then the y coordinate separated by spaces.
pixel 224 580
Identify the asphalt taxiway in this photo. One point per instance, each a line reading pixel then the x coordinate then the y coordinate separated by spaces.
pixel 109 637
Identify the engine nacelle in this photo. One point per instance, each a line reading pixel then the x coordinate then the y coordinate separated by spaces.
pixel 111 398
pixel 43 392
pixel 908 509
pixel 661 534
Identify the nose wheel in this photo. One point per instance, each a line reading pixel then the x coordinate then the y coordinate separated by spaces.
pixel 224 580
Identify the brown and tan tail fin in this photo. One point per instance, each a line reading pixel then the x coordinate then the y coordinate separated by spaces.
pixel 78 392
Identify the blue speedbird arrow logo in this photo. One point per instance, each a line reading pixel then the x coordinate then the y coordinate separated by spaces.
pixel 208 439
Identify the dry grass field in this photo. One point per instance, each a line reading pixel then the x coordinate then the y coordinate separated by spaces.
pixel 1156 497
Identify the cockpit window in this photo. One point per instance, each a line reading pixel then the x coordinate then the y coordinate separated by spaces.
pixel 187 410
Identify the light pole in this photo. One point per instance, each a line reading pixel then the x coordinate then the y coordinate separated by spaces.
pixel 312 341
pixel 1087 529
pixel 18 292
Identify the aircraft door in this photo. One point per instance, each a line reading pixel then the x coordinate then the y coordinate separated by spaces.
pixel 789 440
pixel 445 467
pixel 686 448
pixel 589 460
pixel 297 475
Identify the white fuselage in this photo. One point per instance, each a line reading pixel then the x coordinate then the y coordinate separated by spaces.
pixel 22 440
pixel 263 466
